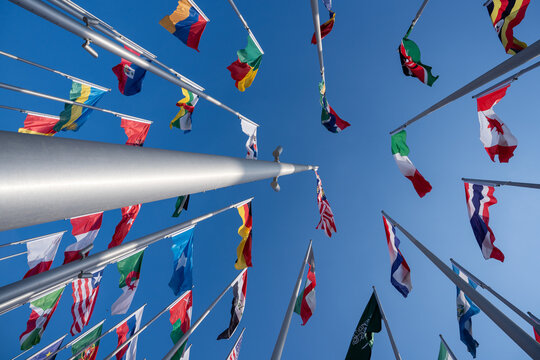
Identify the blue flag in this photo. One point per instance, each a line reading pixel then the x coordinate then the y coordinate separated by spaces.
pixel 182 248
pixel 465 310
pixel 45 353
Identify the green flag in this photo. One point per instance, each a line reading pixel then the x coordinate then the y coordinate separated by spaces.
pixel 87 342
pixel 181 204
pixel 362 340
pixel 443 353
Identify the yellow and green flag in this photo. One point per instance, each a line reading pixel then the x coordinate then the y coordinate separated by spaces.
pixel 74 116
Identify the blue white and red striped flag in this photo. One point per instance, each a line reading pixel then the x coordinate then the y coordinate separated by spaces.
pixel 235 351
pixel 400 275
pixel 327 216
pixel 85 293
pixel 125 330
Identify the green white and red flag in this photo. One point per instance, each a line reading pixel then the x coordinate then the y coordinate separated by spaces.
pixel 306 302
pixel 88 343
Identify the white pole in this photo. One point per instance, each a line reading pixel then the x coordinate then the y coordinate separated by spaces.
pixel 317 26
pixel 392 342
pixel 245 25
pixel 508 79
pixel 14 255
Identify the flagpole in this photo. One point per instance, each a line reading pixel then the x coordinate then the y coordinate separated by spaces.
pixel 394 347
pixel 508 79
pixel 14 255
pixel 235 343
pixel 501 183
pixel 448 348
pixel 32 239
pixel 76 339
pixel 515 61
pixel 419 13
pixel 280 342
pixel 317 25
pixel 497 295
pixel 21 354
pixel 520 337
pixel 29 112
pixel 246 26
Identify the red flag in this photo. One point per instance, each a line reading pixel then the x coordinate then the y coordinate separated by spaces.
pixel 325 28
pixel 129 214
pixel 39 125
pixel 136 131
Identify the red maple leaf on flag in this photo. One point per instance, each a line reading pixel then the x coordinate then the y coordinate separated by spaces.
pixel 495 124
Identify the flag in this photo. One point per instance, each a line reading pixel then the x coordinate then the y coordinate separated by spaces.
pixel 329 118
pixel 130 272
pixel 362 340
pixel 185 355
pixel 444 353
pixel 41 253
pixel 182 248
pixel 136 131
pixel 250 130
pixel 238 304
pixel 537 322
pixel 244 70
pixel 47 351
pixel 180 318
pixel 326 222
pixel 85 293
pixel 326 28
pixel 181 204
pixel 129 214
pixel 479 198
pixel 130 76
pixel 185 23
pixel 85 230
pixel 243 251
pixel 235 351
pixel 39 124
pixel 125 331
pixel 494 134
pixel 328 4
pixel 465 310
pixel 400 151
pixel 42 311
pixel 400 273
pixel 505 15
pixel 182 120
pixel 409 55
pixel 74 116
pixel 88 343
pixel 305 302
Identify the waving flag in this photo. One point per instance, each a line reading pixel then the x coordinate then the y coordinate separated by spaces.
pixel 306 301
pixel 41 253
pixel 47 351
pixel 180 318
pixel 182 248
pixel 328 4
pixel 505 15
pixel 250 130
pixel 243 251
pixel 74 116
pixel 235 351
pixel 182 203
pixel 130 272
pixel 465 311
pixel 494 134
pixel 409 55
pixel 329 118
pixel 537 322
pixel 326 28
pixel 130 76
pixel 444 353
pixel 362 340
pixel 238 304
pixel 182 120
pixel 136 131
pixel 479 199
pixel 125 331
pixel 326 222
pixel 85 230
pixel 186 24
pixel 88 343
pixel 400 272
pixel 246 67
pixel 129 214
pixel 39 124
pixel 85 293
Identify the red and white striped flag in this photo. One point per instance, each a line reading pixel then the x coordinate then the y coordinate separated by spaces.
pixel 85 293
pixel 327 216
pixel 41 253
pixel 85 230
pixel 235 352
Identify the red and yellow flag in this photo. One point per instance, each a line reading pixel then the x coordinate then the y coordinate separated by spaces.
pixel 243 252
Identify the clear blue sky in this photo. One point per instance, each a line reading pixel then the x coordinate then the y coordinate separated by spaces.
pixel 366 88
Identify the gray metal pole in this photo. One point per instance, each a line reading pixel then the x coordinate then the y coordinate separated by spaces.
pixel 419 13
pixel 394 347
pixel 514 332
pixel 76 339
pixel 14 255
pixel 317 25
pixel 234 346
pixel 22 291
pixel 21 354
pixel 19 242
pixel 501 183
pixel 510 64
pixel 508 79
pixel 448 348
pixel 244 22
pixel 28 111
pixel 280 342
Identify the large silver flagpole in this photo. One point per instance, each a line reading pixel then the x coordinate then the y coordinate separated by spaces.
pixel 394 347
pixel 317 25
pixel 514 332
pixel 448 348
pixel 246 25
pixel 280 342
pixel 501 183
pixel 419 13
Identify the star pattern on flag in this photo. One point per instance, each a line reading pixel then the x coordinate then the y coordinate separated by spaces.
pixel 182 261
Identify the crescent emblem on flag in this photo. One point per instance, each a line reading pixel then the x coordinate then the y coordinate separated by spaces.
pixel 133 275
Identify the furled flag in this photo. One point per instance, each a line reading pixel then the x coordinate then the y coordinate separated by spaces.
pixel 326 222
pixel 409 55
pixel 39 124
pixel 85 230
pixel 47 351
pixel 479 198
pixel 186 24
pixel 181 204
pixel 235 351
pixel 42 311
pixel 125 331
pixel 182 248
pixel 85 291
pixel 537 322
pixel 74 116
pixel 326 28
pixel 243 251
pixel 136 131
pixel 328 4
pixel 238 304
pixel 244 70
pixel 306 301
pixel 400 151
pixel 41 253
pixel 400 273
pixel 505 15
pixel 444 353
pixel 362 340
pixel 130 272
pixel 465 310
pixel 130 76
pixel 129 214
pixel 88 343
pixel 180 318
pixel 185 355
pixel 329 118
pixel 250 130
pixel 182 120
pixel 494 134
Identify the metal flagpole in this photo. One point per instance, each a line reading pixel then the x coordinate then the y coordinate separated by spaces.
pixel 497 295
pixel 234 346
pixel 419 13
pixel 246 25
pixel 535 319
pixel 501 183
pixel 24 352
pixel 508 79
pixel 21 354
pixel 515 61
pixel 29 112
pixel 76 339
pixel 32 239
pixel 14 255
pixel 317 25
pixel 448 348
pixel 184 337
pixel 280 342
pixel 394 347
pixel 23 291
pixel 520 337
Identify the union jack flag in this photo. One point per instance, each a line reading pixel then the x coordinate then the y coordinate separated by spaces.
pixel 85 293
pixel 235 352
pixel 327 216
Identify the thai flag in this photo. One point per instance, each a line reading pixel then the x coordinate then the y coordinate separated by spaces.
pixel 400 273
pixel 479 199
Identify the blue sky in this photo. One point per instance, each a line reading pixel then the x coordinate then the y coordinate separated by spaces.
pixel 366 88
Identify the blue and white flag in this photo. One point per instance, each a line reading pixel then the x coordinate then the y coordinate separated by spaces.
pixel 125 331
pixel 400 273
pixel 182 248
pixel 465 310
pixel 45 353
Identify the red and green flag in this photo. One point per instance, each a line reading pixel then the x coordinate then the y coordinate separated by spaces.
pixel 130 272
pixel 181 204
pixel 326 28
pixel 246 67
pixel 305 302
pixel 88 343
pixel 181 320
pixel 409 55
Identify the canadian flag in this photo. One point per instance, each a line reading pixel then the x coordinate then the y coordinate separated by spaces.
pixel 41 253
pixel 85 230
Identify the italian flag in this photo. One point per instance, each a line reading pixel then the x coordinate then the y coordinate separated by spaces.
pixel 400 150
pixel 181 320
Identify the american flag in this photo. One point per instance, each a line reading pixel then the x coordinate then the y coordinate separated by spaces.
pixel 327 216
pixel 85 293
pixel 235 352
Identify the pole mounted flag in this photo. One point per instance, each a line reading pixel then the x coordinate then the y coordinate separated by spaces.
pixel 180 318
pixel 326 28
pixel 306 301
pixel 182 120
pixel 85 291
pixel 329 118
pixel 186 23
pixel 130 76
pixel 182 248
pixel 235 351
pixel 244 70
pixel 136 130
pixel 400 273
pixel 182 203
pixel 74 116
pixel 85 230
pixel 87 345
pixel 243 252
pixel 362 340
pixel 466 309
pixel 250 129
pixel 41 253
pixel 129 214
pixel 47 351
pixel 125 330
pixel 327 222
pixel 238 305
pixel 505 15
pixel 130 273
pixel 39 124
